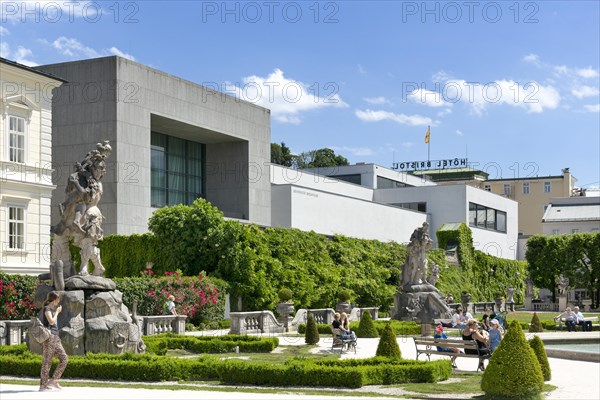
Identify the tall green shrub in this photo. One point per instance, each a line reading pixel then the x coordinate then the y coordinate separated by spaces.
pixel 312 332
pixel 536 325
pixel 540 352
pixel 366 328
pixel 513 371
pixel 388 345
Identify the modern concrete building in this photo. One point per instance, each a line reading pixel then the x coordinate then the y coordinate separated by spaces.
pixel 173 141
pixel 572 215
pixel 373 202
pixel 25 167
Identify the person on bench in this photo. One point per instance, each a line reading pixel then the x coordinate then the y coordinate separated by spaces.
pixel 570 319
pixel 439 334
pixel 345 327
pixel 457 319
pixel 585 325
pixel 472 332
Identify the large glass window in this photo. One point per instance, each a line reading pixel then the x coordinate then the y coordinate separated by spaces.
pixel 386 183
pixel 16 227
pixel 486 218
pixel 177 170
pixel 354 178
pixel 16 139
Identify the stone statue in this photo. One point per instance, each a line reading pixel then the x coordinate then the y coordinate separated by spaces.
pixel 414 270
pixel 529 287
pixel 80 216
pixel 434 274
pixel 562 282
pixel 510 292
pixel 418 299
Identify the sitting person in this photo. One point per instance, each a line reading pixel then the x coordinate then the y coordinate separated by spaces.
pixel 346 333
pixel 472 332
pixel 485 320
pixel 570 319
pixel 585 325
pixel 458 319
pixel 439 334
pixel 495 334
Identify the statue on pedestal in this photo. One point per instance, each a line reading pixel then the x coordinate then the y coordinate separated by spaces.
pixel 418 299
pixel 563 283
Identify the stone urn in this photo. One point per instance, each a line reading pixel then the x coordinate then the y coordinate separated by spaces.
pixel 465 298
pixel 498 301
pixel 343 306
pixel 286 308
pixel 586 303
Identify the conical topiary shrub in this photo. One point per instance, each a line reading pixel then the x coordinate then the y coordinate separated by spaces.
pixel 366 327
pixel 540 352
pixel 388 346
pixel 312 332
pixel 514 371
pixel 536 324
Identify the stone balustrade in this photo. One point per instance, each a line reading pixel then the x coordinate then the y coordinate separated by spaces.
pixel 243 323
pixel 15 332
pixel 545 307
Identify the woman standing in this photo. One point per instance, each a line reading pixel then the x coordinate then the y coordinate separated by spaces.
pixel 53 346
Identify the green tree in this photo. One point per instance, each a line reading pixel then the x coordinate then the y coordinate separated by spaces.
pixel 388 345
pixel 366 328
pixel 320 158
pixel 514 371
pixel 281 154
pixel 540 352
pixel 312 332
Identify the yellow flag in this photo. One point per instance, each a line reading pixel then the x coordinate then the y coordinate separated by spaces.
pixel 427 135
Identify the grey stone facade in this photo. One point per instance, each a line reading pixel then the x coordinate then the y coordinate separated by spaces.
pixel 116 99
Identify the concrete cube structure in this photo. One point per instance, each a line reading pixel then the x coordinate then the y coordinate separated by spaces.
pixel 117 99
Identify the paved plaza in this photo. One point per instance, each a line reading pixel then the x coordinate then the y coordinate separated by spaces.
pixel 575 380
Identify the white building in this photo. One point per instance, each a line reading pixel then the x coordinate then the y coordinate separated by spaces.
pixel 572 215
pixel 373 202
pixel 25 167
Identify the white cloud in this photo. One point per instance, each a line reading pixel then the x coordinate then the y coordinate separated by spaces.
pixel 584 91
pixel 377 100
pixel 407 145
pixel 459 133
pixel 403 119
pixel 444 112
pixel 73 48
pixel 533 59
pixel 355 151
pixel 4 50
pixel 428 98
pixel 592 107
pixel 286 98
pixel 22 55
pixel 588 72
pixel 4 31
pixel 532 96
pixel 361 70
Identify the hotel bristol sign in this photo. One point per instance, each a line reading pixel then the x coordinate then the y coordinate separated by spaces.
pixel 430 164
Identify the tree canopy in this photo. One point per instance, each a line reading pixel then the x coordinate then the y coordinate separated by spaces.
pixel 281 154
pixel 320 158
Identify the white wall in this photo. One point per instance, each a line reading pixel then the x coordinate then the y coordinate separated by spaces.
pixel 567 227
pixel 331 214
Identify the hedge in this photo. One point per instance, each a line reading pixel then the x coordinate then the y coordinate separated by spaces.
pixel 210 344
pixel 399 327
pixel 144 367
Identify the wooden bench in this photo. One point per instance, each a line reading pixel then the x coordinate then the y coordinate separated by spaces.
pixel 437 322
pixel 342 344
pixel 560 323
pixel 428 346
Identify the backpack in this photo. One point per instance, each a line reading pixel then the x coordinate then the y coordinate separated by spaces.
pixel 166 308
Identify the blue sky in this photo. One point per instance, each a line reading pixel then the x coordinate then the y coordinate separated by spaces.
pixel 515 85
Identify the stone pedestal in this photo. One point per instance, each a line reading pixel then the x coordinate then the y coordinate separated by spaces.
pixel 509 306
pixel 420 303
pixel 562 303
pixel 426 329
pixel 528 303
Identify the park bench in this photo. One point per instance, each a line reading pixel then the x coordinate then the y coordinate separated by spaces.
pixel 342 344
pixel 428 346
pixel 560 323
pixel 445 323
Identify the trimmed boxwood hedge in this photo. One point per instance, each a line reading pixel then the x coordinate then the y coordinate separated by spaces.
pixel 296 372
pixel 399 327
pixel 158 344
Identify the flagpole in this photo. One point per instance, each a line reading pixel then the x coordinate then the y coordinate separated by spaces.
pixel 428 143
